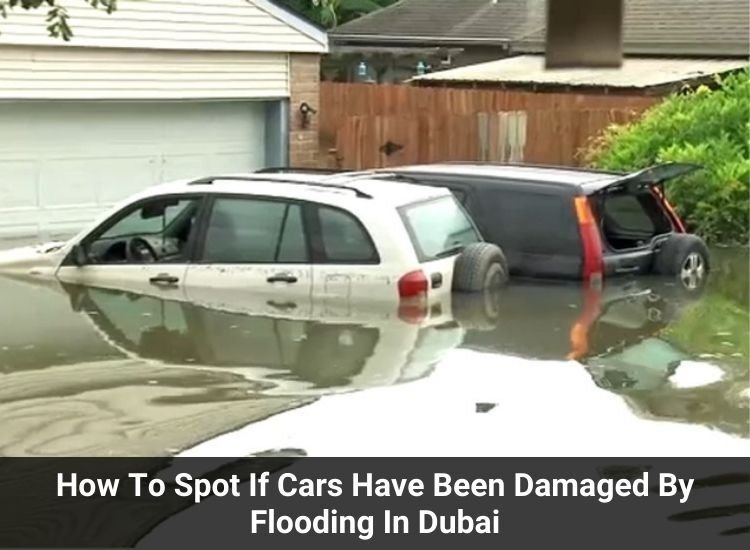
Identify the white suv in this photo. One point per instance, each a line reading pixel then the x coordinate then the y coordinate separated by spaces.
pixel 287 237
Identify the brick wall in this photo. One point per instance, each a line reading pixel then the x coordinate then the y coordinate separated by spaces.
pixel 304 88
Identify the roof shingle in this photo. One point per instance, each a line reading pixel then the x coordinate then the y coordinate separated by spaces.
pixel 658 27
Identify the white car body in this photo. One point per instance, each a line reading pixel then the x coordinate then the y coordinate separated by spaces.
pixel 375 203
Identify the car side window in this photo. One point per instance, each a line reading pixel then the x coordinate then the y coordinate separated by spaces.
pixel 344 238
pixel 254 231
pixel 530 222
pixel 155 231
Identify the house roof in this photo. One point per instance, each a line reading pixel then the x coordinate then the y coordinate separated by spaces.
pixel 652 27
pixel 448 21
pixel 634 73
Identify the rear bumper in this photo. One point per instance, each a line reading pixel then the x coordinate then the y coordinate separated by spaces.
pixel 638 262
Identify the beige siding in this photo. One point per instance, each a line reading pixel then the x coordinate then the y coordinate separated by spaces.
pixel 226 25
pixel 88 73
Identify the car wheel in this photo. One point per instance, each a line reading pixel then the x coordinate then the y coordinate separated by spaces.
pixel 686 258
pixel 480 266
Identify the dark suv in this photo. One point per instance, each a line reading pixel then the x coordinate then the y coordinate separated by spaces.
pixel 574 223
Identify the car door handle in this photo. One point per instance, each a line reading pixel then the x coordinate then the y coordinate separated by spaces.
pixel 283 306
pixel 164 279
pixel 282 278
pixel 627 269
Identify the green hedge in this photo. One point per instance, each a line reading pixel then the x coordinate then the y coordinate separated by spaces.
pixel 708 126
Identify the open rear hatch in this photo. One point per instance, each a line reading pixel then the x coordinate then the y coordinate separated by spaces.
pixel 652 177
pixel 632 210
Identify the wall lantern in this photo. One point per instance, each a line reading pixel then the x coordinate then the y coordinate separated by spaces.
pixel 306 111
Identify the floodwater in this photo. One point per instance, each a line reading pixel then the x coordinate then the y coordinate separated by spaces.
pixel 635 369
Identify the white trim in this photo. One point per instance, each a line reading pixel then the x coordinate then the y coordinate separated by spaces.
pixel 296 22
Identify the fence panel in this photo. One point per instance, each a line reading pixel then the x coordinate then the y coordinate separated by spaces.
pixel 369 126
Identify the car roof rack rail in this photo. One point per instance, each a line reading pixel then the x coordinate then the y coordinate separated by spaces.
pixel 543 166
pixel 292 170
pixel 380 173
pixel 210 179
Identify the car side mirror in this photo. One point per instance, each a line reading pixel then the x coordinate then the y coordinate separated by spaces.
pixel 79 255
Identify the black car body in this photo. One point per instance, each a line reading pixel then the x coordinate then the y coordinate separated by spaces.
pixel 564 222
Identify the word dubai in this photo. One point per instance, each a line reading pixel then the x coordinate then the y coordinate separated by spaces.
pixel 330 521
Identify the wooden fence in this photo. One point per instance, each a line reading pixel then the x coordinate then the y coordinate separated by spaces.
pixel 369 126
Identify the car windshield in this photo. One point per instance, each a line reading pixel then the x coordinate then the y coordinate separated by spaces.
pixel 439 227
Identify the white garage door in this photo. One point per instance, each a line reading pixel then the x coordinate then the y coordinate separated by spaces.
pixel 62 163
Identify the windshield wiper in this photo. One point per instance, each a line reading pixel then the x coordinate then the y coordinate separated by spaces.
pixel 451 251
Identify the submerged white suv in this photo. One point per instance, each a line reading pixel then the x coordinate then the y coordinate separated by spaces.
pixel 287 237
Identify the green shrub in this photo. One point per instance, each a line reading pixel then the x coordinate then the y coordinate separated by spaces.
pixel 706 126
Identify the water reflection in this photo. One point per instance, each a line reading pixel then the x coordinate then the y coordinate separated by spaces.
pixel 664 351
pixel 92 371
pixel 292 354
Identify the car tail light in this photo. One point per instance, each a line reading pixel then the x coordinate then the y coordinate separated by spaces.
pixel 590 238
pixel 676 221
pixel 413 284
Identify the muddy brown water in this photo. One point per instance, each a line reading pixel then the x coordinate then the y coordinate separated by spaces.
pixel 637 368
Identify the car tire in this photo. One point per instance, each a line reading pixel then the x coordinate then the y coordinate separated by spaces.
pixel 479 267
pixel 686 258
pixel 477 310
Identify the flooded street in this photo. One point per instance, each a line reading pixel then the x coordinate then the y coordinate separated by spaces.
pixel 634 369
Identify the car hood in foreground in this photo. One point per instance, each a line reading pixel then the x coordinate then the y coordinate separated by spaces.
pixel 35 260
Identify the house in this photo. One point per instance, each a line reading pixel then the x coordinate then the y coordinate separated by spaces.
pixel 637 77
pixel 445 34
pixel 156 91
pixel 395 43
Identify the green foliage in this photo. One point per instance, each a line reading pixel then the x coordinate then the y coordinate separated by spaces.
pixel 706 126
pixel 330 13
pixel 57 16
pixel 719 323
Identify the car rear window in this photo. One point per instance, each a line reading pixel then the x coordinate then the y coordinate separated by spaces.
pixel 438 227
pixel 345 240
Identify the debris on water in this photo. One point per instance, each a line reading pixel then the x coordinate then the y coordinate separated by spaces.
pixel 30 346
pixel 723 333
pixel 4 348
pixel 153 382
pixel 145 314
pixel 692 374
pixel 736 354
pixel 234 327
pixel 725 343
pixel 485 407
pixel 707 355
